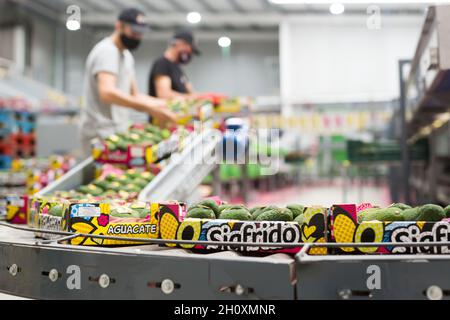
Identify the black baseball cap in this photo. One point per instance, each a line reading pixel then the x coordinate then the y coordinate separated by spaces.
pixel 135 18
pixel 187 36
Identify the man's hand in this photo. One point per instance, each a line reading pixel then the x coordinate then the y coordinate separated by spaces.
pixel 158 109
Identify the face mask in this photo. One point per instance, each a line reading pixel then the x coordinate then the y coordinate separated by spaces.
pixel 184 57
pixel 129 43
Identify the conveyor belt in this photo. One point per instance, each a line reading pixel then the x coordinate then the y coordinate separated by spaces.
pixel 137 272
pixel 154 272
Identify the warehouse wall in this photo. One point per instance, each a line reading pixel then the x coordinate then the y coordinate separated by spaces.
pixel 338 59
pixel 248 70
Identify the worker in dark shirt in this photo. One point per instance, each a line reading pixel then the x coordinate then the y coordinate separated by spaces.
pixel 167 79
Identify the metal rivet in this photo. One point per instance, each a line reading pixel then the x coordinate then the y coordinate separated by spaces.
pixel 103 281
pixel 239 290
pixel 345 294
pixel 13 269
pixel 434 293
pixel 53 275
pixel 167 286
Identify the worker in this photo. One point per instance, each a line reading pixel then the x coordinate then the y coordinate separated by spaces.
pixel 167 80
pixel 110 87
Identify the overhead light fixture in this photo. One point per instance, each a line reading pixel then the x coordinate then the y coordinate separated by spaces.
pixel 193 17
pixel 224 42
pixel 73 25
pixel 337 8
pixel 73 21
pixel 283 2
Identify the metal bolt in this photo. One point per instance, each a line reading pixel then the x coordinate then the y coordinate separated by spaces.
pixel 434 293
pixel 345 294
pixel 103 281
pixel 53 275
pixel 167 286
pixel 239 290
pixel 13 269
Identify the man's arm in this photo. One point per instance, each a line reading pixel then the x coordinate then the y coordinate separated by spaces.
pixel 110 94
pixel 163 86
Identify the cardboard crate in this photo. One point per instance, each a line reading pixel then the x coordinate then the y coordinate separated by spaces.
pixel 95 218
pixel 16 208
pixel 346 229
pixel 135 155
pixel 313 230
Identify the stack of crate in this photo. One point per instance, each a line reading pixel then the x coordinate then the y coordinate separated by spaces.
pixel 17 131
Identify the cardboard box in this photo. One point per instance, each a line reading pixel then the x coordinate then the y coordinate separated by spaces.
pixel 15 208
pixel 346 229
pixel 135 155
pixel 95 218
pixel 313 230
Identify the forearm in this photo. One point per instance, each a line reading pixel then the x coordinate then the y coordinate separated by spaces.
pixel 118 97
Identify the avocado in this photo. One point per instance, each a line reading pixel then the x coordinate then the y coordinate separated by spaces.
pixel 252 210
pixel 212 205
pixel 57 210
pixel 280 214
pixel 410 214
pixel 401 206
pixel 111 177
pixel 122 212
pixel 431 212
pixel 132 188
pixel 447 211
pixel 296 209
pixel 201 212
pixel 165 134
pixel 103 184
pixel 141 183
pixel 148 176
pixel 300 219
pixel 387 214
pixel 236 213
pixel 363 213
pixel 115 186
pixel 132 174
pixel 224 206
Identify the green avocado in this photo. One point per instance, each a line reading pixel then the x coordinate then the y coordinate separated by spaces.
pixel 363 213
pixel 57 210
pixel 224 206
pixel 103 184
pixel 401 206
pixel 132 174
pixel 212 205
pixel 296 209
pixel 148 176
pixel 447 211
pixel 410 214
pixel 280 214
pixel 300 219
pixel 387 214
pixel 141 183
pixel 236 213
pixel 131 188
pixel 115 186
pixel 262 210
pixel 431 212
pixel 200 212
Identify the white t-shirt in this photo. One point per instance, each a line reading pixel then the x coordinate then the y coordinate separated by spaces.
pixel 100 120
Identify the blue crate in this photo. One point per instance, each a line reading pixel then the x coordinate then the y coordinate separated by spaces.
pixel 5 162
pixel 26 126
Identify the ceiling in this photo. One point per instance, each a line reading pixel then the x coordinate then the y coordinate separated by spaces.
pixel 252 16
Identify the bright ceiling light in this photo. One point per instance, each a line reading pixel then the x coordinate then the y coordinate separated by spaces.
pixel 194 17
pixel 224 42
pixel 337 8
pixel 73 25
pixel 359 1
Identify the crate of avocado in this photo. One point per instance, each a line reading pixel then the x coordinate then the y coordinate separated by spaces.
pixel 109 217
pixel 212 220
pixel 398 223
pixel 138 147
pixel 189 110
pixel 113 183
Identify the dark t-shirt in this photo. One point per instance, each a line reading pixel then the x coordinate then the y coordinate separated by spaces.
pixel 165 67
